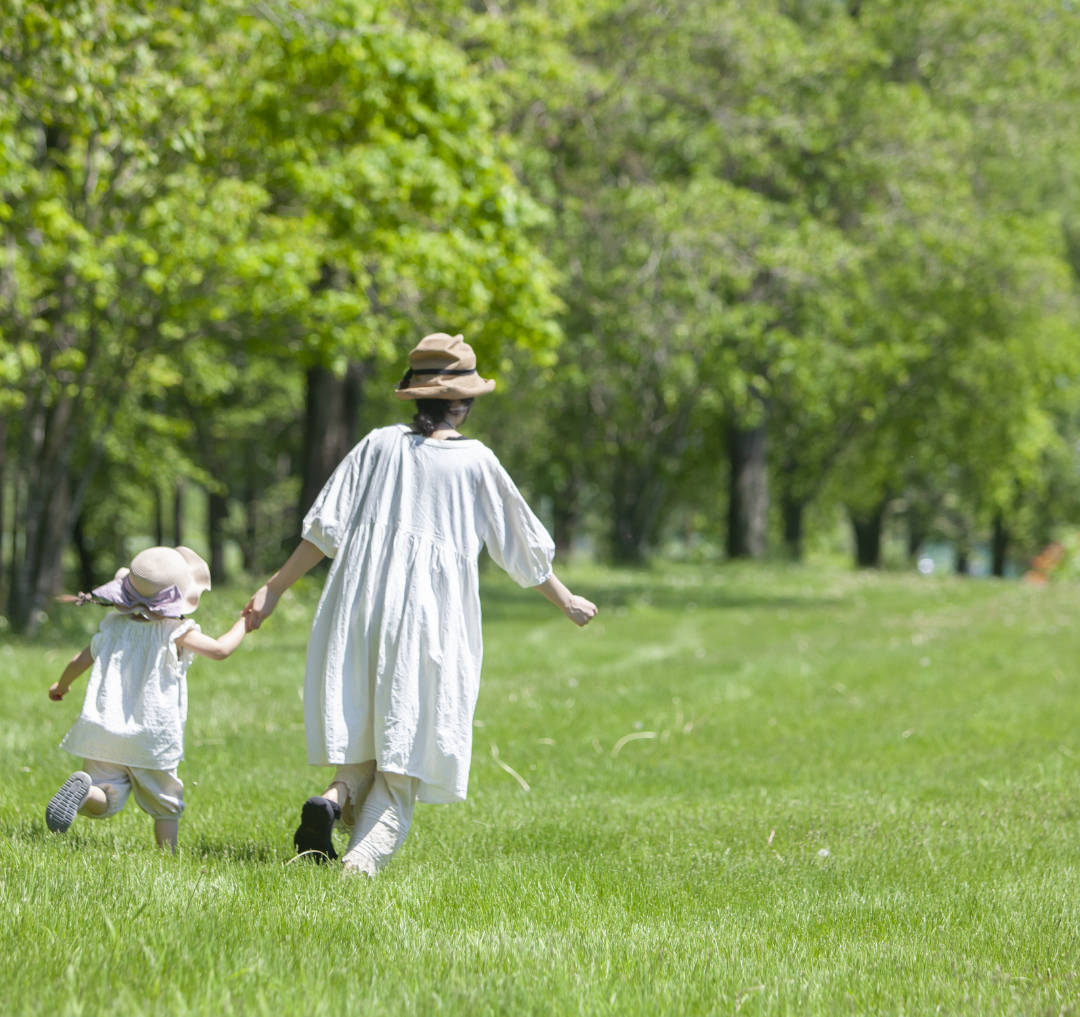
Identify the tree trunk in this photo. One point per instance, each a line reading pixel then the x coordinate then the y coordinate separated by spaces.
pixel 3 492
pixel 963 559
pixel 867 528
pixel 565 516
pixel 217 513
pixel 40 570
pixel 632 490
pixel 999 544
pixel 34 465
pixel 748 492
pixel 916 534
pixel 793 510
pixel 178 514
pixel 159 519
pixel 251 521
pixel 331 419
pixel 87 572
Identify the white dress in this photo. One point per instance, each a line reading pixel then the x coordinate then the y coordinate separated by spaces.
pixel 393 665
pixel 136 697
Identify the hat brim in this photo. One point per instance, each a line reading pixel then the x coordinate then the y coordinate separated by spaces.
pixel 447 387
pixel 200 577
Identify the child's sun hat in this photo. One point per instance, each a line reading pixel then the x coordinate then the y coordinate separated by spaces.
pixel 164 582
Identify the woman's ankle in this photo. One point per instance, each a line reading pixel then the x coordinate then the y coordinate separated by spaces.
pixel 338 793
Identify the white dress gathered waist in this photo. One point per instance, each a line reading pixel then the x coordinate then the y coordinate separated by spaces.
pixel 136 697
pixel 393 665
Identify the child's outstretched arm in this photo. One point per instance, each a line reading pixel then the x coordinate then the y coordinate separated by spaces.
pixel 215 649
pixel 81 662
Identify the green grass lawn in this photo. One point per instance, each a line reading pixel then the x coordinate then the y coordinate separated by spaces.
pixel 858 794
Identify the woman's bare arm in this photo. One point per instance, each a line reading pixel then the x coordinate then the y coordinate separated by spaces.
pixel 215 649
pixel 261 606
pixel 579 610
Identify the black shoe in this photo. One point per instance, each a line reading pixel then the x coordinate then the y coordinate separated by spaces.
pixel 60 812
pixel 317 819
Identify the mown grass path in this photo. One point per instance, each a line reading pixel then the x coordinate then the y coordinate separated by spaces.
pixel 851 794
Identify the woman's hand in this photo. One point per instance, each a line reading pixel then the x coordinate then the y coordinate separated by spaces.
pixel 260 607
pixel 580 611
pixel 57 691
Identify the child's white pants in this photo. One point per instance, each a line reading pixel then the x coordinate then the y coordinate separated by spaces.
pixel 382 823
pixel 159 793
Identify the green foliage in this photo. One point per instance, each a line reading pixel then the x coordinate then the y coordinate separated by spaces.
pixel 854 225
pixel 844 220
pixel 198 201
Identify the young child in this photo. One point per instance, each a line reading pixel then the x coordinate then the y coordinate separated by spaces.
pixel 131 729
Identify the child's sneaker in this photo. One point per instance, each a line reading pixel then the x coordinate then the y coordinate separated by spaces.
pixel 60 812
pixel 317 820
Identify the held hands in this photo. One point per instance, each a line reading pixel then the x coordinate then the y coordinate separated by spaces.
pixel 580 611
pixel 260 607
pixel 57 691
pixel 306 556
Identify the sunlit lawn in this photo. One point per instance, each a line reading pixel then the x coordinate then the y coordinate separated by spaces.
pixel 850 794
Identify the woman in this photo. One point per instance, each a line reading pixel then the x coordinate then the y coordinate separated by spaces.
pixel 393 665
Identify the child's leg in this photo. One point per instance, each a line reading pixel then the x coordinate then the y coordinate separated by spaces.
pixel 96 803
pixel 65 804
pixel 98 791
pixel 165 832
pixel 160 794
pixel 112 785
pixel 383 823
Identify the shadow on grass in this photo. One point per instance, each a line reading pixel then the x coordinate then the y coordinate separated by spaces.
pixel 84 834
pixel 25 831
pixel 221 851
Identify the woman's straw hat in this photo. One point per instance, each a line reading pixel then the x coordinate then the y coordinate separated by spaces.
pixel 442 367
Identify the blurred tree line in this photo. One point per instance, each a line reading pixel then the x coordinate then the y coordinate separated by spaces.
pixel 730 263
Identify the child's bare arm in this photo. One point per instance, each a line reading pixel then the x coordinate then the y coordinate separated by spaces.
pixel 76 666
pixel 215 649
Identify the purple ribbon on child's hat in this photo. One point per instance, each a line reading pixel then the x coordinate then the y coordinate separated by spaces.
pixel 169 603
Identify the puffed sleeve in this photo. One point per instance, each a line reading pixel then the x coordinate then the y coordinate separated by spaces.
pixel 328 519
pixel 514 537
pixel 102 634
pixel 181 653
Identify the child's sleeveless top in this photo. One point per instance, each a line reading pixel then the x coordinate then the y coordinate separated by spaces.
pixel 136 699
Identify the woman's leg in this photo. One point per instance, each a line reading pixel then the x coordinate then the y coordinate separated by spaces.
pixel 351 784
pixel 383 823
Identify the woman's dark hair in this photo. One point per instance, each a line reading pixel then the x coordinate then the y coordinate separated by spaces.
pixel 432 412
